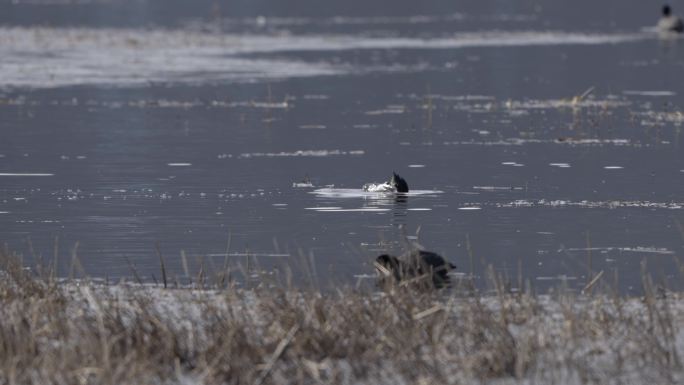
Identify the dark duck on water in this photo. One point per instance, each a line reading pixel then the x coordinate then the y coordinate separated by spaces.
pixel 417 266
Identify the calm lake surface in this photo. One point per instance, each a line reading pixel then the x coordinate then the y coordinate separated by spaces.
pixel 543 140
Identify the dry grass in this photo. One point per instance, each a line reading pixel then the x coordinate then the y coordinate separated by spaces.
pixel 84 333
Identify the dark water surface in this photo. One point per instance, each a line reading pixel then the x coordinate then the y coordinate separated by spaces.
pixel 127 123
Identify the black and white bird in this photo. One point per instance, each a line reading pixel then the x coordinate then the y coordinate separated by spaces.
pixel 669 22
pixel 395 184
pixel 415 266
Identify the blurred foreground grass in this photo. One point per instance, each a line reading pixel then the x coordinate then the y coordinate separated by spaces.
pixel 81 332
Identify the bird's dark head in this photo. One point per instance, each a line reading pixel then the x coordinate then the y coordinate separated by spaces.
pixel 667 11
pixel 399 183
pixel 386 260
pixel 388 266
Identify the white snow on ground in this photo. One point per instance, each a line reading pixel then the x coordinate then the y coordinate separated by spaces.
pixel 548 339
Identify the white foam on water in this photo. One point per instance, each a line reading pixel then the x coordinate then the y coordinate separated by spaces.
pixel 303 153
pixel 268 105
pixel 652 118
pixel 420 209
pixel 522 203
pixel 526 141
pixel 514 164
pixel 560 165
pixel 44 57
pixel 449 98
pixel 516 108
pixel 302 185
pixel 556 278
pixel 279 21
pixel 179 164
pixel 60 2
pixel 613 167
pixel 275 255
pixel 416 165
pixel 330 192
pixel 4 212
pixel 364 209
pixel 312 127
pixel 24 174
pixel 387 111
pixel 261 21
pixel 323 208
pixel 469 208
pixel 364 126
pixel 279 204
pixel 636 249
pixel 496 188
pixel 649 93
pixel 316 97
pixel 590 142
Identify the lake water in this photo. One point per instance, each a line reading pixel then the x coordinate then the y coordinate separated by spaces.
pixel 543 140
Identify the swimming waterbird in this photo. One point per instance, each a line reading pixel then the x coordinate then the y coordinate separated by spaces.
pixel 416 266
pixel 669 22
pixel 395 184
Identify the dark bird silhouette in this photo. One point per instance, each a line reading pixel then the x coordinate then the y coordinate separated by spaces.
pixel 415 266
pixel 399 183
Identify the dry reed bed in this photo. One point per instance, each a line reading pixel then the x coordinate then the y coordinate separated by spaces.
pixel 84 333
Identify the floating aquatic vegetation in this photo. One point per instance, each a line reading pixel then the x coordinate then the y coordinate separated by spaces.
pixel 652 118
pixel 635 249
pixel 614 204
pixel 393 109
pixel 589 142
pixel 24 174
pixel 303 153
pixel 649 93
